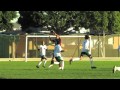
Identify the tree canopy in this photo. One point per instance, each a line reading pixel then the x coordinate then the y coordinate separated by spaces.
pixel 5 18
pixel 59 21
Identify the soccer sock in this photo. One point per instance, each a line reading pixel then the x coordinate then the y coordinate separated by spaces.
pixel 44 62
pixel 56 62
pixel 91 62
pixel 62 64
pixel 76 59
pixel 39 63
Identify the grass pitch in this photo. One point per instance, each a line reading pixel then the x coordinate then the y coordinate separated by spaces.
pixel 77 70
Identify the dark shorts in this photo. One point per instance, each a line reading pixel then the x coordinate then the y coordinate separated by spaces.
pixel 43 57
pixel 85 53
pixel 58 59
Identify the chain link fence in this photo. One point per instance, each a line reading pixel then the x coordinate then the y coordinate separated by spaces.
pixel 13 46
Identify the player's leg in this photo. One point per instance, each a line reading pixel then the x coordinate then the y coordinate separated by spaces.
pixel 40 62
pixel 76 59
pixel 52 61
pixel 45 61
pixel 61 65
pixel 91 61
pixel 61 62
pixel 81 55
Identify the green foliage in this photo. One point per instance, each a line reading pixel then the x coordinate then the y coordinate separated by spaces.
pixel 5 18
pixel 108 21
pixel 115 21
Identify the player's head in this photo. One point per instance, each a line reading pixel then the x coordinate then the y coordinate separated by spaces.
pixel 86 36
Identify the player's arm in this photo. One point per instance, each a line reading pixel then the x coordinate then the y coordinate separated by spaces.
pixel 38 48
pixel 51 39
pixel 62 50
pixel 87 45
pixel 54 33
pixel 46 48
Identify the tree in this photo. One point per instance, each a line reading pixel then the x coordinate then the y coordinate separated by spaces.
pixel 5 18
pixel 114 21
pixel 59 21
pixel 53 20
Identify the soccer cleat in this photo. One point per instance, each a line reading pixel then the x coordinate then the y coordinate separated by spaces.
pixel 37 66
pixel 93 67
pixel 70 61
pixel 114 69
pixel 60 68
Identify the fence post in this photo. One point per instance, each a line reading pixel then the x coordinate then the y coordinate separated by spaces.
pixel 103 44
pixel 78 47
pixel 118 44
pixel 98 44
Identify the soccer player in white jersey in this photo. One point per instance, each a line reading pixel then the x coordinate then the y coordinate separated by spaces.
pixel 57 55
pixel 57 41
pixel 85 51
pixel 42 48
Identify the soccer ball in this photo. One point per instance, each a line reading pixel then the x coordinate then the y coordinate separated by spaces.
pixel 51 31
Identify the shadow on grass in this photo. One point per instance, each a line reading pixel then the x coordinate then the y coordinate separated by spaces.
pixel 2 78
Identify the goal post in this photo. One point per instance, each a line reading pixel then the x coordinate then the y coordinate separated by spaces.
pixel 63 37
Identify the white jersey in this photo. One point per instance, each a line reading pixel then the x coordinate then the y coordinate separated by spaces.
pixel 85 46
pixel 57 50
pixel 42 49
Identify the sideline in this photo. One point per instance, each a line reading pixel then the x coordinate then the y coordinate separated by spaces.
pixel 65 59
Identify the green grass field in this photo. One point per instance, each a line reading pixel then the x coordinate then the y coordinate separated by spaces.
pixel 77 70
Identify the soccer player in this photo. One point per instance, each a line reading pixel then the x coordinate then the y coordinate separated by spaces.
pixel 57 55
pixel 57 42
pixel 85 51
pixel 42 48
